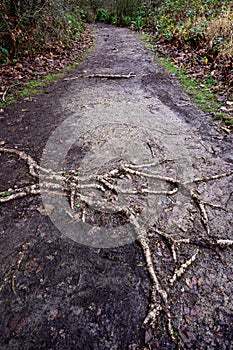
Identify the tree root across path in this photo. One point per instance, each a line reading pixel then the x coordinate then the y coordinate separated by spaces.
pixel 77 188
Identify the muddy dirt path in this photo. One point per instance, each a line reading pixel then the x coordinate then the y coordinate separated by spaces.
pixel 56 293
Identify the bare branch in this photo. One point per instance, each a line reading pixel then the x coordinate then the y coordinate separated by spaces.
pixel 103 76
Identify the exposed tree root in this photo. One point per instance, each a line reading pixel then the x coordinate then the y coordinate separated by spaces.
pixel 181 270
pixel 201 206
pixel 212 177
pixel 9 195
pixel 32 164
pixel 78 188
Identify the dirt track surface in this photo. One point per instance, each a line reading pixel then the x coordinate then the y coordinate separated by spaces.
pixel 59 294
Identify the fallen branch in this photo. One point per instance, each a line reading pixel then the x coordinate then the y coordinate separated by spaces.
pixel 103 76
pixel 148 165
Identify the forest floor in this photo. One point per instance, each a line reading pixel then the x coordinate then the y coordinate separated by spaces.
pixel 118 105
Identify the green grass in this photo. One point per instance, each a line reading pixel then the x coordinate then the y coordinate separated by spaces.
pixel 5 194
pixel 38 86
pixel 30 91
pixel 32 88
pixel 147 39
pixel 35 87
pixel 50 78
pixel 225 117
pixel 32 84
pixel 198 90
pixel 9 100
pixel 228 121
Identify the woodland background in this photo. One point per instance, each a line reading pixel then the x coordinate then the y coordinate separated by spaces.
pixel 197 36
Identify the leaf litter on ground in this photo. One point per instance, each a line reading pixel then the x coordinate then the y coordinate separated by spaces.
pixel 29 70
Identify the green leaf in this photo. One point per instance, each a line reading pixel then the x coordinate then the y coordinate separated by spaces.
pixel 3 59
pixel 176 332
pixel 4 51
pixel 5 194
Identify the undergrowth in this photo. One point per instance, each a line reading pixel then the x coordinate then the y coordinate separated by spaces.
pixel 197 39
pixel 196 36
pixel 30 27
pixel 203 26
pixel 38 86
pixel 199 91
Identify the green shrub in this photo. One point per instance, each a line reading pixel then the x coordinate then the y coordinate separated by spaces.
pixel 138 22
pixel 102 15
pixel 3 54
